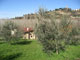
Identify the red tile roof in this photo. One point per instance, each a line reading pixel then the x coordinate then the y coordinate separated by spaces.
pixel 28 29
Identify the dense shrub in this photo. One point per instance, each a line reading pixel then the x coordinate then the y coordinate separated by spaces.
pixel 55 34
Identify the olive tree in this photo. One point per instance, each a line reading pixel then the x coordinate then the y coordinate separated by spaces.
pixel 0 29
pixel 54 34
pixel 11 31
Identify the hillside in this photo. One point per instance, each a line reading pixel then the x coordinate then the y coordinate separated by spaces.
pixel 29 20
pixel 59 12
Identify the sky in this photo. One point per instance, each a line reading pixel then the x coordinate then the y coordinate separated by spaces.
pixel 13 8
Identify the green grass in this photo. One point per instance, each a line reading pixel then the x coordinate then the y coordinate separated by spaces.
pixel 32 50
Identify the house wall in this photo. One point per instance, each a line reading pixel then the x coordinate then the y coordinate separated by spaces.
pixel 30 35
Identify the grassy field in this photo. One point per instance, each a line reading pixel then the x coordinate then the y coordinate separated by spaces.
pixel 32 50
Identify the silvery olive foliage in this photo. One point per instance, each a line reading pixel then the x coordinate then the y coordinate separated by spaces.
pixel 54 34
pixel 11 32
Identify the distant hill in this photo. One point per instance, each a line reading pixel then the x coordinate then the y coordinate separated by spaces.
pixel 30 20
pixel 59 12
